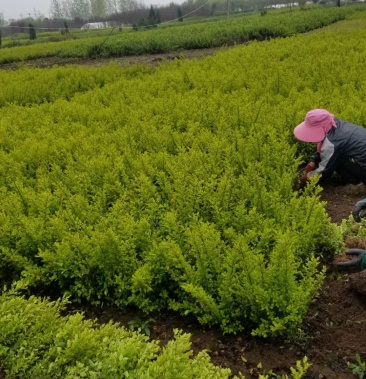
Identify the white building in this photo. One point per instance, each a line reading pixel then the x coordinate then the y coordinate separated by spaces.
pixel 97 25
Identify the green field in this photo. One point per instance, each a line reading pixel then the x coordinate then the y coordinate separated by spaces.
pixel 168 188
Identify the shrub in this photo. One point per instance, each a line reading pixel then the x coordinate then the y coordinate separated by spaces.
pixel 32 32
pixel 36 342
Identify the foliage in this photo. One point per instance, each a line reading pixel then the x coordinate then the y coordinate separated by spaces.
pixel 52 84
pixel 296 373
pixel 143 326
pixel 354 233
pixel 36 342
pixel 302 4
pixel 171 187
pixel 359 368
pixel 153 17
pixel 179 14
pixel 32 32
pixel 66 28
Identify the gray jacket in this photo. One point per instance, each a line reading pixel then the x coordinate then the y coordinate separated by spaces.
pixel 345 142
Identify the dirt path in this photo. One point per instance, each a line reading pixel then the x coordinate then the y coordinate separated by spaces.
pixel 152 59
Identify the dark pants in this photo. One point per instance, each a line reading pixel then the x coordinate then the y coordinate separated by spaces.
pixel 351 172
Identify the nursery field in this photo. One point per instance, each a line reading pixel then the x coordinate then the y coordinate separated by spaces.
pixel 166 196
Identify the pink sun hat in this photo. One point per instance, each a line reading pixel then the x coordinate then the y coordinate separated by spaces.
pixel 317 124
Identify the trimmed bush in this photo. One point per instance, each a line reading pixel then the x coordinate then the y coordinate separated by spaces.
pixel 36 342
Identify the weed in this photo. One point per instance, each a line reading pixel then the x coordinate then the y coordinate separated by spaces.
pixel 143 326
pixel 296 373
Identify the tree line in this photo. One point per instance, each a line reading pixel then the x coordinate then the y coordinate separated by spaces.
pixel 76 13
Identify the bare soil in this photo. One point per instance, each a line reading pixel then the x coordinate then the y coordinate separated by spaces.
pixel 334 330
pixel 153 59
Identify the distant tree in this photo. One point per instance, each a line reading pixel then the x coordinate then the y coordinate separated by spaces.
pixel 179 14
pixel 338 3
pixel 66 30
pixel 128 5
pixel 2 22
pixel 153 18
pixel 157 17
pixel 83 8
pixel 56 9
pixel 38 15
pixel 98 8
pixel 76 9
pixel 152 15
pixel 142 22
pixel 32 32
pixel 66 8
pixel 112 6
pixel 213 8
pixel 302 4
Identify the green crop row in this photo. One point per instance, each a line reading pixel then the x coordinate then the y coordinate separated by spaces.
pixel 172 187
pixel 22 39
pixel 194 36
pixel 29 87
pixel 36 342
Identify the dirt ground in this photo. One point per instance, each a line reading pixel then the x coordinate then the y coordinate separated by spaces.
pixel 334 330
pixel 153 59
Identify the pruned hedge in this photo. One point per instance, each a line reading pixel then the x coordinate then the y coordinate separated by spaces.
pixel 36 342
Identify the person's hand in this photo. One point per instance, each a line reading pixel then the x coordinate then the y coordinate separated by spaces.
pixel 310 167
pixel 359 210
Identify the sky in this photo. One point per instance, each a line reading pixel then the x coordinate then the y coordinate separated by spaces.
pixel 16 8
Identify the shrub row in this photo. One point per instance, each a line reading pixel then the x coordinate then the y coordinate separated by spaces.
pixel 36 342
